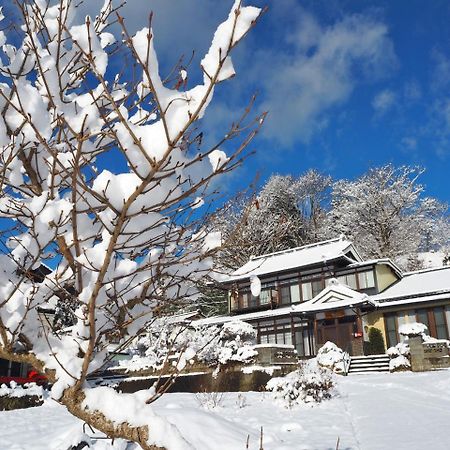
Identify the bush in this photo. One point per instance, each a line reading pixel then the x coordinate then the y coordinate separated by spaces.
pixel 399 357
pixel 331 357
pixel 376 342
pixel 311 383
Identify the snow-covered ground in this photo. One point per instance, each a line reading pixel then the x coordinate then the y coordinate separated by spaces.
pixel 402 411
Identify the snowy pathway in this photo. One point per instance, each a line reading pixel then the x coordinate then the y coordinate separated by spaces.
pixel 399 411
pixel 373 412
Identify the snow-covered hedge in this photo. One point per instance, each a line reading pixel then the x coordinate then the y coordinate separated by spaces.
pixel 310 383
pixel 16 396
pixel 213 345
pixel 332 357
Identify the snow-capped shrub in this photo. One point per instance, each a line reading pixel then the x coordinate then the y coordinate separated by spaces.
pixel 238 330
pixel 310 383
pixel 399 364
pixel 399 357
pixel 150 350
pixel 211 345
pixel 412 329
pixel 332 357
pixel 16 396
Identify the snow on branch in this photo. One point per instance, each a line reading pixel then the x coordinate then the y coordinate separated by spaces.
pixel 114 243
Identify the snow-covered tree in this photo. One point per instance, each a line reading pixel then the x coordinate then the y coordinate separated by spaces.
pixel 118 239
pixel 384 212
pixel 313 192
pixel 286 213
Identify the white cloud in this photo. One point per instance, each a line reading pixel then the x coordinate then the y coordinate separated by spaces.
pixel 319 71
pixel 302 68
pixel 409 143
pixel 384 101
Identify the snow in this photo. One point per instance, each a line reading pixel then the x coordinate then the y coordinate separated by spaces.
pixel 335 295
pixel 332 357
pixel 15 390
pixel 412 329
pixel 399 363
pixel 420 283
pixel 402 411
pixel 294 258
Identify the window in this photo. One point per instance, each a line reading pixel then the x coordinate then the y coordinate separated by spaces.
pixel 234 301
pixel 349 280
pixel 317 287
pixel 422 317
pixel 366 280
pixel 264 297
pixel 391 330
pixel 299 345
pixel 285 293
pixel 288 338
pixel 244 300
pixel 295 293
pixel 441 325
pixel 307 291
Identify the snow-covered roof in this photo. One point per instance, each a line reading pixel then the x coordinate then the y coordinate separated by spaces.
pixel 334 296
pixel 295 258
pixel 267 313
pixel 419 284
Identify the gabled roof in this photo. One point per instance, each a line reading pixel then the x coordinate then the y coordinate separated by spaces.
pixel 307 255
pixel 420 285
pixel 334 296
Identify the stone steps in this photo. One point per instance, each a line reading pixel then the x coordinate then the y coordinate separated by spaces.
pixel 369 364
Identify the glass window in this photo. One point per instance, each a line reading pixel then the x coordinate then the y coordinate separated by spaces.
pixel 441 326
pixel 271 339
pixel 402 318
pixel 244 300
pixel 349 280
pixel 391 330
pixel 253 300
pixel 422 317
pixel 288 338
pixel 317 287
pixel 307 291
pixel 234 301
pixel 366 280
pixel 264 297
pixel 285 295
pixel 295 293
pixel 299 346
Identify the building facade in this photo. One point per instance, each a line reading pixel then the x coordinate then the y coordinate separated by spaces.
pixel 327 292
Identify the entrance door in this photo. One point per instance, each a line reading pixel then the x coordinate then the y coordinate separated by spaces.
pixel 338 331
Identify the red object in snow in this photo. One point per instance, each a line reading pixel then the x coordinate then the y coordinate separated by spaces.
pixel 32 377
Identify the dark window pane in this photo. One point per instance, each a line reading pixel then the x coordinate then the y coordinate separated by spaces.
pixel 391 325
pixel 299 345
pixel 285 295
pixel 441 328
pixel 422 317
pixel 317 286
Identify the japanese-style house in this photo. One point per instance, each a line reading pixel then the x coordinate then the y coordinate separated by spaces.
pixel 327 292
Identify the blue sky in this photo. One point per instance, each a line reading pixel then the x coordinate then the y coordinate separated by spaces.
pixel 348 84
